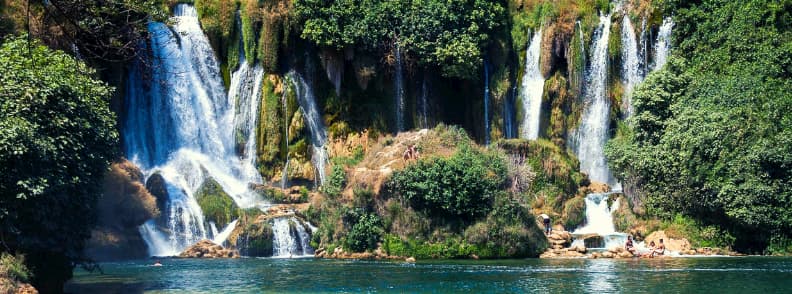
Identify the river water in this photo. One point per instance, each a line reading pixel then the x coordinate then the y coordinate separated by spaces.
pixel 308 275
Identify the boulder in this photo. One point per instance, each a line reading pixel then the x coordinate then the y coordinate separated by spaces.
pixel 410 259
pixel 625 254
pixel 208 249
pixel 671 244
pixel 607 254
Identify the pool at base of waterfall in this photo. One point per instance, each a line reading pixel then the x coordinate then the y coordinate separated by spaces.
pixel 244 275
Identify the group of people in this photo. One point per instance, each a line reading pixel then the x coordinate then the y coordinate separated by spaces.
pixel 411 153
pixel 654 249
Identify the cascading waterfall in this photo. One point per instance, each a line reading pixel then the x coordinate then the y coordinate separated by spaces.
pixel 589 139
pixel 599 221
pixel 486 104
pixel 631 67
pixel 175 127
pixel 305 97
pixel 531 89
pixel 663 45
pixel 290 239
pixel 399 85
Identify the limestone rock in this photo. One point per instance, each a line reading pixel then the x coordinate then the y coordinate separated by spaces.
pixel 671 244
pixel 208 249
pixel 607 254
pixel 410 259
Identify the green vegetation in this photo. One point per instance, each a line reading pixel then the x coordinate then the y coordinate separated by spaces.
pixel 12 271
pixel 216 205
pixel 336 182
pixel 460 187
pixel 57 137
pixel 450 35
pixel 711 136
pixel 454 202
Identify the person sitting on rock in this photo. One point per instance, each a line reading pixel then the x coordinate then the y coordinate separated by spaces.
pixel 629 247
pixel 659 250
pixel 157 263
pixel 651 250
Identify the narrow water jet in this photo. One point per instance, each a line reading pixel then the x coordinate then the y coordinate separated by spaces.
pixel 631 68
pixel 532 89
pixel 486 104
pixel 399 85
pixel 663 44
pixel 313 118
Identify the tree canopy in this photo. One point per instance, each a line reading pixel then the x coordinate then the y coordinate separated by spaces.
pixel 712 131
pixel 449 35
pixel 57 136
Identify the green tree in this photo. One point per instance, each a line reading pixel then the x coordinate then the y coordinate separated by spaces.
pixel 449 35
pixel 57 137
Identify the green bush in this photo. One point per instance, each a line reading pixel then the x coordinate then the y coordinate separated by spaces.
pixel 336 182
pixel 13 267
pixel 365 232
pixel 462 186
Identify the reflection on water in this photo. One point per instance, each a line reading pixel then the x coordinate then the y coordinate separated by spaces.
pixel 305 275
pixel 601 275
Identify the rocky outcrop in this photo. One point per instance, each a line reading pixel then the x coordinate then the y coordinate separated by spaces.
pixel 378 254
pixel 671 244
pixel 124 205
pixel 559 246
pixel 207 249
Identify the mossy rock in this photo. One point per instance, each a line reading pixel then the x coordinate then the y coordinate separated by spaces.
pixel 256 240
pixel 574 213
pixel 215 203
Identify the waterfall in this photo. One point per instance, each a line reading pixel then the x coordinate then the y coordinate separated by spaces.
pixel 590 137
pixel 531 89
pixel 644 47
pixel 307 101
pixel 424 103
pixel 286 124
pixel 599 221
pixel 290 239
pixel 508 114
pixel 178 115
pixel 631 67
pixel 486 104
pixel 221 237
pixel 663 44
pixel 399 80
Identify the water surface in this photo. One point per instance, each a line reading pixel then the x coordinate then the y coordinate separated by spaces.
pixel 308 275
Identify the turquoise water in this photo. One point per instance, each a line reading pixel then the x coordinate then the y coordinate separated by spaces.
pixel 704 274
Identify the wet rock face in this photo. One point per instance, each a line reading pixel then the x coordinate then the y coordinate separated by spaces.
pixel 125 204
pixel 207 249
pixel 157 188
